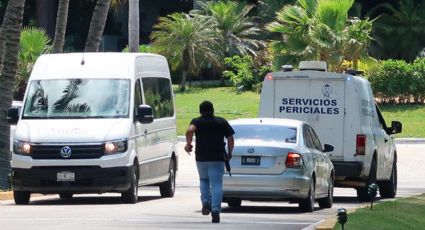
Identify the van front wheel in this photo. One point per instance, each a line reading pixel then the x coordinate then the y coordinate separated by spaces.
pixel 131 195
pixel 168 187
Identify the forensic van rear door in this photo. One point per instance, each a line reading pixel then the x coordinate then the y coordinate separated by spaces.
pixel 316 100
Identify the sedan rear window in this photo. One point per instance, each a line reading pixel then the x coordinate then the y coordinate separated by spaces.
pixel 266 133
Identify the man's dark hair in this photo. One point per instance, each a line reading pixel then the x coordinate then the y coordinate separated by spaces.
pixel 206 108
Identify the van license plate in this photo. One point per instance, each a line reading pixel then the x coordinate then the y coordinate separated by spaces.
pixel 65 176
pixel 251 160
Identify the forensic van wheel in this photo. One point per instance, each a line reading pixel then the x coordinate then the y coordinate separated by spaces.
pixel 131 195
pixel 168 188
pixel 388 189
pixel 65 195
pixel 362 193
pixel 21 197
pixel 307 204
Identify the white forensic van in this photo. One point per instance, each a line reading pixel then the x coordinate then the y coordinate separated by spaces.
pixel 95 123
pixel 342 110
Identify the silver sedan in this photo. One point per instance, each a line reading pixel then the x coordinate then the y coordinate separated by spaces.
pixel 279 159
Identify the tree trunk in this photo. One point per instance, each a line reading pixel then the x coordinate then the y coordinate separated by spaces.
pixel 45 15
pixel 7 79
pixel 183 82
pixel 61 21
pixel 97 25
pixel 3 34
pixel 133 25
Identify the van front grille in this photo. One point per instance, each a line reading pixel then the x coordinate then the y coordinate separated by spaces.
pixel 76 151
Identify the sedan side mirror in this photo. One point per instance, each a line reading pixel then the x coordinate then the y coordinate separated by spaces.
pixel 144 114
pixel 396 127
pixel 12 115
pixel 328 148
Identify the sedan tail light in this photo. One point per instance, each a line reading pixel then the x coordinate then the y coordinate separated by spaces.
pixel 360 144
pixel 294 160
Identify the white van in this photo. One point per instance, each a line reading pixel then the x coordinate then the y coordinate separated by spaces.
pixel 342 110
pixel 95 123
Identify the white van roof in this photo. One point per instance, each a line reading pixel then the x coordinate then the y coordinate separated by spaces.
pixel 98 64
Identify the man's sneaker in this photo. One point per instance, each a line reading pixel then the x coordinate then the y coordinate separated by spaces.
pixel 206 209
pixel 215 217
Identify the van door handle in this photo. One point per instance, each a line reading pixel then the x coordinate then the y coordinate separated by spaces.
pixel 385 140
pixel 146 132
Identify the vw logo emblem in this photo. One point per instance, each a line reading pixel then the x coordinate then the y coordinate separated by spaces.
pixel 66 152
pixel 250 150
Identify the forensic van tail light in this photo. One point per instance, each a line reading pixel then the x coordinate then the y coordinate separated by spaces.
pixel 269 77
pixel 360 144
pixel 294 160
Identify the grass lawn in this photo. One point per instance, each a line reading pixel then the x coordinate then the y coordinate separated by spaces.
pixel 405 213
pixel 230 105
pixel 226 102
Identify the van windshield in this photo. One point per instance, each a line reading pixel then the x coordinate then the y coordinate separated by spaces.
pixel 77 98
pixel 272 133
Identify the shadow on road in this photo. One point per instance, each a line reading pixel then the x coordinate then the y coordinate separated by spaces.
pixel 89 200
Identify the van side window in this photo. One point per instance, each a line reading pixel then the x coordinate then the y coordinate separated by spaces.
pixel 137 95
pixel 158 95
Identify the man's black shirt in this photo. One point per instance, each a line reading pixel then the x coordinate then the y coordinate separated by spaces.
pixel 210 134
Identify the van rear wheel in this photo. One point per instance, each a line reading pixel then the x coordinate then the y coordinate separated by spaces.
pixel 362 194
pixel 388 189
pixel 21 197
pixel 234 202
pixel 168 188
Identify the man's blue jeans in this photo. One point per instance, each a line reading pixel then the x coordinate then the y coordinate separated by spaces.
pixel 211 183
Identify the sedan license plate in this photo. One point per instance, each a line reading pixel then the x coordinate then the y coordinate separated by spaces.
pixel 65 176
pixel 251 160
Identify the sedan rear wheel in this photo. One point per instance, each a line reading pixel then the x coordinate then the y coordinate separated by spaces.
pixel 234 202
pixel 328 201
pixel 307 204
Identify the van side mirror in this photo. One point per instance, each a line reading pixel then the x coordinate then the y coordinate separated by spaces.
pixel 144 114
pixel 396 127
pixel 328 148
pixel 12 115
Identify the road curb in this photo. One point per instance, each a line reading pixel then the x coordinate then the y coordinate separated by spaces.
pixel 6 195
pixel 329 223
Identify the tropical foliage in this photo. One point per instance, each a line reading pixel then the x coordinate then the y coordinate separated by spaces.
pixel 399 31
pixel 237 29
pixel 396 81
pixel 189 43
pixel 33 43
pixel 319 30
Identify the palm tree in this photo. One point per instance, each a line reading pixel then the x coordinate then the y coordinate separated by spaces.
pixel 319 30
pixel 238 30
pixel 399 30
pixel 33 43
pixel 61 21
pixel 3 34
pixel 189 42
pixel 133 25
pixel 97 25
pixel 7 78
pixel 268 9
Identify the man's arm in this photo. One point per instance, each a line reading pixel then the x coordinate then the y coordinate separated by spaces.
pixel 189 136
pixel 230 145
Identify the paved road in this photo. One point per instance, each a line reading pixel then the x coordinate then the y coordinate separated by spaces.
pixel 183 211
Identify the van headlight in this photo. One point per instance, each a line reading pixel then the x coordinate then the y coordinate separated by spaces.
pixel 112 147
pixel 22 148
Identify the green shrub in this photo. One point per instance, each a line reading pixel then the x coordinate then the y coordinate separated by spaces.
pixel 419 80
pixel 242 73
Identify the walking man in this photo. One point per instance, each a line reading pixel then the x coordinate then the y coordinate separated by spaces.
pixel 210 154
